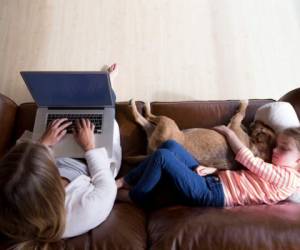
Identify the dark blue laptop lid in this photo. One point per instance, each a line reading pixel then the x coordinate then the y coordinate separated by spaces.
pixel 69 89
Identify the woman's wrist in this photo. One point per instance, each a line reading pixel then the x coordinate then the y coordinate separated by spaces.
pixel 41 141
pixel 89 147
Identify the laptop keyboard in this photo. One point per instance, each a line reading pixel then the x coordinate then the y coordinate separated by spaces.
pixel 96 119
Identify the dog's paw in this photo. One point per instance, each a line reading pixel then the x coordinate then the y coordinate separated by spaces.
pixel 131 102
pixel 244 102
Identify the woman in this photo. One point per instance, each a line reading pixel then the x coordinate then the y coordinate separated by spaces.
pixel 45 199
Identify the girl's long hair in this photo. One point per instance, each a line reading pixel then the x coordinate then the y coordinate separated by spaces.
pixel 32 212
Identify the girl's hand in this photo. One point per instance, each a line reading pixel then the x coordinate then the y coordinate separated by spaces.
pixel 84 134
pixel 224 130
pixel 235 143
pixel 55 132
pixel 203 170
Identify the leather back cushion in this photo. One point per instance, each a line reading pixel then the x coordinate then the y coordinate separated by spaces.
pixel 205 114
pixel 186 114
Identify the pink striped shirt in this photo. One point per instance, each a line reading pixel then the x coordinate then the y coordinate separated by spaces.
pixel 261 183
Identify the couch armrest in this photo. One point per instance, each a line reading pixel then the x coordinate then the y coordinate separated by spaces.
pixel 8 109
pixel 293 97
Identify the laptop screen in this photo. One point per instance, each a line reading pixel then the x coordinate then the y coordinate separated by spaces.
pixel 69 89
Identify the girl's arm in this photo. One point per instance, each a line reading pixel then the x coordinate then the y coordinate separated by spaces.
pixel 273 174
pixel 234 142
pixel 277 175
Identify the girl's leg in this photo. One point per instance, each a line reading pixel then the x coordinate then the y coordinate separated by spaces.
pixel 187 159
pixel 132 178
pixel 135 174
pixel 191 187
pixel 181 153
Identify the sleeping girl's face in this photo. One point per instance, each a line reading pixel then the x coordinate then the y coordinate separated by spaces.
pixel 286 152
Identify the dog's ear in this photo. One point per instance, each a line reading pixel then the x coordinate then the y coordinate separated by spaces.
pixel 255 126
pixel 261 132
pixel 264 139
pixel 258 126
pixel 269 132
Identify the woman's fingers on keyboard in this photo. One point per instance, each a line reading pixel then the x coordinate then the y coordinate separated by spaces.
pixel 92 126
pixel 86 123
pixel 56 123
pixel 82 123
pixel 64 126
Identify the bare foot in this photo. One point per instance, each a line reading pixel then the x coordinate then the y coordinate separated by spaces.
pixel 121 183
pixel 113 71
pixel 112 67
pixel 123 195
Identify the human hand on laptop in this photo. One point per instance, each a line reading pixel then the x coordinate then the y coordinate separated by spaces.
pixel 84 134
pixel 55 132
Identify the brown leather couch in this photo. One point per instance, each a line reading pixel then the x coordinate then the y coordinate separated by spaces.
pixel 176 227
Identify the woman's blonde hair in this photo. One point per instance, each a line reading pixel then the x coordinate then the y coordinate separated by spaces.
pixel 32 198
pixel 294 133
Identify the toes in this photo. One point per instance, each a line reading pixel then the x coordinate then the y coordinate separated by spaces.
pixel 112 67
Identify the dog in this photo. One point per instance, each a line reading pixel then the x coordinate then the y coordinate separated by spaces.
pixel 207 145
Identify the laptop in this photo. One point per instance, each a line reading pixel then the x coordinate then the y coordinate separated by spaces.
pixel 73 95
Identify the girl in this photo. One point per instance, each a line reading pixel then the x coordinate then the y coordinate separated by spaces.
pixel 261 183
pixel 45 199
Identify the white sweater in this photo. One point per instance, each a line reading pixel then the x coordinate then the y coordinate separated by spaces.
pixel 89 199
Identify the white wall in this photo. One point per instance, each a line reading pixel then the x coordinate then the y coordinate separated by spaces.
pixel 166 49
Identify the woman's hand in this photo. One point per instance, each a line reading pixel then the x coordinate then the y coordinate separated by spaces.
pixel 203 170
pixel 55 132
pixel 84 134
